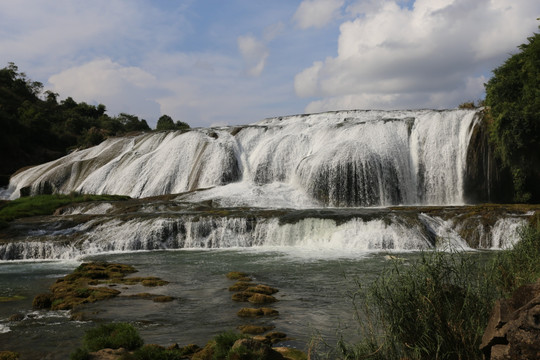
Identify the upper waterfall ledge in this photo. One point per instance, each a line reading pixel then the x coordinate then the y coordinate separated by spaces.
pixel 337 159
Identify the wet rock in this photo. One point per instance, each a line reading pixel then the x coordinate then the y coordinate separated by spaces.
pixel 238 275
pixel 42 301
pixel 16 317
pixel 252 349
pixel 108 354
pixel 252 312
pixel 291 354
pixel 513 330
pixel 9 355
pixel 79 316
pixel 262 289
pixel 242 296
pixel 254 329
pixel 240 286
pixel 276 336
pixel 261 299
pixel 163 298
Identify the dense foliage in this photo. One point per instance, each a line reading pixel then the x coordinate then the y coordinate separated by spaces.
pixel 36 127
pixel 513 97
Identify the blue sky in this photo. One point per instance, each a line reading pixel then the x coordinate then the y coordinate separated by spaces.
pixel 216 62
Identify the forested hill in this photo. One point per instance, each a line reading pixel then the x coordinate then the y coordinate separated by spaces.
pixel 35 127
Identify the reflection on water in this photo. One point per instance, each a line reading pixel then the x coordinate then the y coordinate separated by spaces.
pixel 313 298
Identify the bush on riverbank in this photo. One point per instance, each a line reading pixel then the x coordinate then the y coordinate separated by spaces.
pixel 438 306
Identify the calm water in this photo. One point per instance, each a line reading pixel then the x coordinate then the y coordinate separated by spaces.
pixel 313 298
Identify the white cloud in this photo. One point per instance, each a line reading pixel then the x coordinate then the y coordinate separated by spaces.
pixel 254 53
pixel 317 13
pixel 427 55
pixel 121 88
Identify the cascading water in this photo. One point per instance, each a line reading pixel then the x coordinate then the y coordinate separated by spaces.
pixel 323 182
pixel 341 159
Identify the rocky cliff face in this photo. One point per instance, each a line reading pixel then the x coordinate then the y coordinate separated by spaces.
pixel 513 331
pixel 484 181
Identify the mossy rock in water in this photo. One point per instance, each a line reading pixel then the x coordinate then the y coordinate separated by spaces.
pixel 275 337
pixel 150 281
pixel 9 355
pixel 291 354
pixel 261 299
pixel 153 281
pixel 42 301
pixel 11 298
pixel 254 329
pixel 79 287
pixel 262 289
pixel 163 298
pixel 242 296
pixel 238 275
pixel 16 317
pixel 100 271
pixel 240 286
pixel 252 312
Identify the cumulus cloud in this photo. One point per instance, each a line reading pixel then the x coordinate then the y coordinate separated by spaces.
pixel 426 55
pixel 316 13
pixel 254 53
pixel 122 88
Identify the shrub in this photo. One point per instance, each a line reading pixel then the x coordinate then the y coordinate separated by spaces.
pixel 224 342
pixel 80 354
pixel 520 265
pixel 437 307
pixel 112 336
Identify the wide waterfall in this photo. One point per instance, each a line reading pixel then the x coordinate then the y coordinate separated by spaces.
pixel 340 182
pixel 338 159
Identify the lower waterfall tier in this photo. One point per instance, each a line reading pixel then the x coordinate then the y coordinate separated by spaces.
pixel 171 224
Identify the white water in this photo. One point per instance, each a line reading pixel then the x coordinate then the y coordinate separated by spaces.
pixel 341 159
pixel 320 237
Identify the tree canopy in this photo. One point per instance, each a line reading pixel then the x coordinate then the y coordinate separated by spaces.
pixel 35 127
pixel 513 98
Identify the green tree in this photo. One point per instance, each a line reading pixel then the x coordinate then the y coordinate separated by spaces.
pixel 513 97
pixel 165 122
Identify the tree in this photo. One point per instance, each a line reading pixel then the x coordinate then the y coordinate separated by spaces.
pixel 165 122
pixel 513 98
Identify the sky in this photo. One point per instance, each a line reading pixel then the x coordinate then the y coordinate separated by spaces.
pixel 230 62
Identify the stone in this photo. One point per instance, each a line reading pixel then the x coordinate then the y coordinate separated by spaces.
pixel 254 329
pixel 257 350
pixel 261 299
pixel 16 317
pixel 108 354
pixel 252 312
pixel 513 330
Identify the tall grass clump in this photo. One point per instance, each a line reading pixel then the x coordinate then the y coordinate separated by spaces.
pixel 435 307
pixel 520 265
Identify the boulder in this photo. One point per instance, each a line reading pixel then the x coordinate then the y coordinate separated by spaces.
pixel 513 330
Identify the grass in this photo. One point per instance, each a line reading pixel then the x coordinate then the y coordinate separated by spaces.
pixel 438 306
pixel 112 336
pixel 46 205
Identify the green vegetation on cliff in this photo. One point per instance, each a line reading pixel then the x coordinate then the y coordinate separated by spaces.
pixel 45 205
pixel 35 127
pixel 513 100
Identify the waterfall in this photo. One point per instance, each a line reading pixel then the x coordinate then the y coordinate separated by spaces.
pixel 337 159
pixel 100 228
